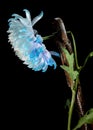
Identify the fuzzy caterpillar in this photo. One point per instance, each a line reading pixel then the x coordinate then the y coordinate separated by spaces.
pixel 28 44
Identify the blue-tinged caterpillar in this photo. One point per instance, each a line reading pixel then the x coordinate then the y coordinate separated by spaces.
pixel 28 44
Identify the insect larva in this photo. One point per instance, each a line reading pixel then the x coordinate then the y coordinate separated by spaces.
pixel 27 43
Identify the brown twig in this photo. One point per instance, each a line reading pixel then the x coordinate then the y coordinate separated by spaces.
pixel 63 42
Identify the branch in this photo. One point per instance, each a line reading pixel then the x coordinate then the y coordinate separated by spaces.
pixel 63 42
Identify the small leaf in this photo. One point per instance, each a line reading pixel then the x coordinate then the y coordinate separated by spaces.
pixel 70 68
pixel 66 68
pixel 75 74
pixel 86 119
pixel 70 57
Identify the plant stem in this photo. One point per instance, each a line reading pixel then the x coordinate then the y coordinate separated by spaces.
pixel 87 58
pixel 74 90
pixel 71 110
pixel 75 50
pixel 49 36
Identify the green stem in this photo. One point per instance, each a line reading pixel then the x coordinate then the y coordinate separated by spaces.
pixel 49 36
pixel 74 90
pixel 71 110
pixel 75 50
pixel 89 55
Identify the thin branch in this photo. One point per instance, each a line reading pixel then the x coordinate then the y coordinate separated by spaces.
pixel 63 42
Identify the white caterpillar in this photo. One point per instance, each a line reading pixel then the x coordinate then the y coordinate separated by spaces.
pixel 27 44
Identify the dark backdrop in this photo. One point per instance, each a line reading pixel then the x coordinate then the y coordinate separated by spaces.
pixel 36 99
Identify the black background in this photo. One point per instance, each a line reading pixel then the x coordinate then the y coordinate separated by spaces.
pixel 35 99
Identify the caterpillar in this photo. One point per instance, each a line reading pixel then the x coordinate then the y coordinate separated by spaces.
pixel 28 44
